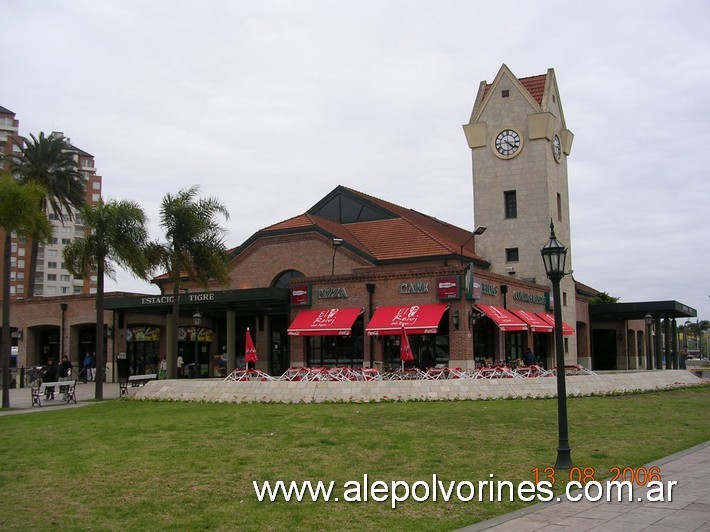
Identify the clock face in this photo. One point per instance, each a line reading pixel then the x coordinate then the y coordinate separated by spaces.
pixel 556 148
pixel 507 143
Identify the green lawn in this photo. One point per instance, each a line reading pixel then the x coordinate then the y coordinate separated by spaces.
pixel 135 465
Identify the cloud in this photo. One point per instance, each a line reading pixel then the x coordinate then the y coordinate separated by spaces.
pixel 270 105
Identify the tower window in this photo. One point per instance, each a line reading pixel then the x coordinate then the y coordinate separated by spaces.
pixel 505 93
pixel 559 207
pixel 511 255
pixel 511 204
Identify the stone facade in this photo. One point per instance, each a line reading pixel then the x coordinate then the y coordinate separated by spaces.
pixel 538 181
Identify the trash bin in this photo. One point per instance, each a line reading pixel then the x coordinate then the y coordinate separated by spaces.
pixel 123 368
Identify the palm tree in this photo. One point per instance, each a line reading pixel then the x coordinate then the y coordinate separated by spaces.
pixel 194 248
pixel 697 329
pixel 118 236
pixel 48 161
pixel 19 213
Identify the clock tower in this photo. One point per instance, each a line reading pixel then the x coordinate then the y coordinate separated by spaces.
pixel 519 144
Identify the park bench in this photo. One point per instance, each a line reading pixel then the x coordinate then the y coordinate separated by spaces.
pixel 698 370
pixel 135 381
pixel 65 388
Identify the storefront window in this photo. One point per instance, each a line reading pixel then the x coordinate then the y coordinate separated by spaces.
pixel 332 351
pixel 142 349
pixel 513 346
pixel 429 350
pixel 194 344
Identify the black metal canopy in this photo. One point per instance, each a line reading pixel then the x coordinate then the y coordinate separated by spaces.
pixel 638 311
pixel 248 300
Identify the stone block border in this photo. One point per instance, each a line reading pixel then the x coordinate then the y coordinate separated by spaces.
pixel 420 390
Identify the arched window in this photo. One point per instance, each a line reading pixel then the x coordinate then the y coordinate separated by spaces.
pixel 284 278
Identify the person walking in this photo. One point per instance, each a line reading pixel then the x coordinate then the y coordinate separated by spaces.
pixel 87 367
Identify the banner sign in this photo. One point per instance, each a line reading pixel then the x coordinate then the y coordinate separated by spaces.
pixel 448 287
pixel 301 295
pixel 472 287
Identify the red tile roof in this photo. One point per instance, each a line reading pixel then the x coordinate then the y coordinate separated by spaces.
pixel 535 85
pixel 407 235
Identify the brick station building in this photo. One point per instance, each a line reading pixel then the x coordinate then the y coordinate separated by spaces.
pixel 333 286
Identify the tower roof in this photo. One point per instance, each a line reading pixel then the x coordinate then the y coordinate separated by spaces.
pixel 535 85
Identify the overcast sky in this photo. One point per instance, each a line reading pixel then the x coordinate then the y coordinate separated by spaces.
pixel 270 105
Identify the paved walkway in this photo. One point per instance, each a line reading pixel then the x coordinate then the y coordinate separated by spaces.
pixel 688 510
pixel 21 399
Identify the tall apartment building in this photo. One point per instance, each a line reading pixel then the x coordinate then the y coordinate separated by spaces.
pixel 9 129
pixel 51 278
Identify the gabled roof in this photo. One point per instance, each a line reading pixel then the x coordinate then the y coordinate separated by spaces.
pixel 376 229
pixel 535 85
pixel 541 91
pixel 5 111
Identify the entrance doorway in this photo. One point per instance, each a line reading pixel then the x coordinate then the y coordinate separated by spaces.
pixel 604 349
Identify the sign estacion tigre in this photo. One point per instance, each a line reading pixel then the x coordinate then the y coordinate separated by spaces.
pixel 162 300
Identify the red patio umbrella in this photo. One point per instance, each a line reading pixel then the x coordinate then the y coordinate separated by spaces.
pixel 405 351
pixel 249 350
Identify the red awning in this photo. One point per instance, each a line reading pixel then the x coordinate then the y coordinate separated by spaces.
pixel 416 319
pixel 535 322
pixel 327 322
pixel 549 318
pixel 503 319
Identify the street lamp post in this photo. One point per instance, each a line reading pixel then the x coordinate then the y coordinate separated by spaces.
pixel 476 232
pixel 649 344
pixel 554 255
pixel 473 316
pixel 196 319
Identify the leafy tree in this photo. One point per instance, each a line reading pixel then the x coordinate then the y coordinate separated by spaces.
pixel 20 213
pixel 696 329
pixel 603 297
pixel 194 248
pixel 118 237
pixel 48 161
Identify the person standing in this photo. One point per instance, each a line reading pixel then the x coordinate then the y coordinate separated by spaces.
pixel 65 374
pixel 180 365
pixel 93 367
pixel 163 368
pixel 49 374
pixel 682 359
pixel 529 358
